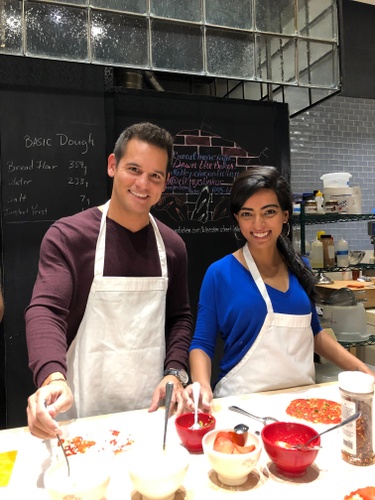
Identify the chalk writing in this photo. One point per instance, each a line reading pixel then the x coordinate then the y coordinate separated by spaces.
pixel 60 140
pixel 35 179
pixel 190 173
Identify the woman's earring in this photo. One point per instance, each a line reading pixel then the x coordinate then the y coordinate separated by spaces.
pixel 238 238
pixel 288 229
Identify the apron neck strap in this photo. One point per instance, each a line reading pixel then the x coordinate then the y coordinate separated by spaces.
pixel 100 245
pixel 254 271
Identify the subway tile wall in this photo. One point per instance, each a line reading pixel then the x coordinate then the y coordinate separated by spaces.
pixel 337 135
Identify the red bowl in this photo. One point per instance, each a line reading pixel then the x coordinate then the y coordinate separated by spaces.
pixel 290 462
pixel 190 438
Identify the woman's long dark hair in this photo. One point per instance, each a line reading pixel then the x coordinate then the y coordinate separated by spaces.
pixel 250 182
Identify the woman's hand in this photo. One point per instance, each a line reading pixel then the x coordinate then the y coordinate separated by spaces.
pixel 205 398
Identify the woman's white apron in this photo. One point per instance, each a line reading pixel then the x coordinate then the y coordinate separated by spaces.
pixel 282 355
pixel 116 359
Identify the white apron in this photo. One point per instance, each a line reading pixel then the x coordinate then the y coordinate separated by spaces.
pixel 116 359
pixel 282 355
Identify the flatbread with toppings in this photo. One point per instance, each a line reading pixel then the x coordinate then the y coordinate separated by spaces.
pixel 316 410
pixel 367 493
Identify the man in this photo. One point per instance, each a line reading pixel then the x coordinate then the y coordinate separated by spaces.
pixel 109 323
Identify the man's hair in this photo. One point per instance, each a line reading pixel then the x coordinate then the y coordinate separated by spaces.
pixel 146 132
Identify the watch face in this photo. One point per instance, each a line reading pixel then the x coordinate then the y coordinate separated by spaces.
pixel 183 376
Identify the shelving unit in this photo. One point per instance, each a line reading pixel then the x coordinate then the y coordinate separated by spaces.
pixel 360 343
pixel 304 219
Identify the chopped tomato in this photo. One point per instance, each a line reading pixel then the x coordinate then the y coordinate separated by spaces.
pixel 232 443
pixel 367 493
pixel 223 444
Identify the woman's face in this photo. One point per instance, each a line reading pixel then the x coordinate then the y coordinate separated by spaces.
pixel 261 219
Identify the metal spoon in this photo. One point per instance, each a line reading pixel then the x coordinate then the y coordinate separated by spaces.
pixel 61 446
pixel 240 428
pixel 168 397
pixel 196 392
pixel 65 455
pixel 341 424
pixel 264 420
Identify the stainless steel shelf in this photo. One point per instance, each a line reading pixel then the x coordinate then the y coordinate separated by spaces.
pixel 309 219
pixel 360 343
pixel 304 219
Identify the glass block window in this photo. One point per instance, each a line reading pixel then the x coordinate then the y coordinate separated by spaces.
pixel 118 39
pixel 56 31
pixel 231 13
pixel 284 42
pixel 176 48
pixel 188 10
pixel 11 23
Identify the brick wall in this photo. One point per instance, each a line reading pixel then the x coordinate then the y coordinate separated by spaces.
pixel 337 135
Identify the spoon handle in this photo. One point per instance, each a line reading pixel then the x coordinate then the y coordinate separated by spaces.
pixel 243 412
pixel 341 424
pixel 63 449
pixel 168 397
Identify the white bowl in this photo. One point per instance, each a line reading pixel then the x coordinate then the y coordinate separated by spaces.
pixel 156 473
pixel 232 469
pixel 88 480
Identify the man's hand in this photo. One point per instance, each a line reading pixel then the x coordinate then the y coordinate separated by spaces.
pixel 178 398
pixel 44 405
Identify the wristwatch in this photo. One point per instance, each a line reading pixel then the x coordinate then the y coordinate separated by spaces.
pixel 180 374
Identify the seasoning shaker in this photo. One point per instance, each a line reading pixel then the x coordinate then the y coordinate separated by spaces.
pixel 357 394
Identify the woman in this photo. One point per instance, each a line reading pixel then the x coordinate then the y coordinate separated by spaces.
pixel 261 300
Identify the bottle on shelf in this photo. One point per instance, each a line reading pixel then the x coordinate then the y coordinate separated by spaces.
pixel 316 254
pixel 342 253
pixel 319 202
pixel 328 250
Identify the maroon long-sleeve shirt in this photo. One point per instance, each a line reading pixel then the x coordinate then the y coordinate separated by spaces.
pixel 66 270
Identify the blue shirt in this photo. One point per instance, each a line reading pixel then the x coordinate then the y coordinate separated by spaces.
pixel 231 305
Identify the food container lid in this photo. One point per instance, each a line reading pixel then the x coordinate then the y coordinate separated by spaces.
pixel 359 382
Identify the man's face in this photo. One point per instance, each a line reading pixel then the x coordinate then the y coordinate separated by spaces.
pixel 139 178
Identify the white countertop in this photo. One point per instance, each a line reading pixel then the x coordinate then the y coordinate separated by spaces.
pixel 329 473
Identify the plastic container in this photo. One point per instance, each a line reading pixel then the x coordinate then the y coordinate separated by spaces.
pixel 342 195
pixel 357 394
pixel 347 322
pixel 316 254
pixel 336 179
pixel 342 253
pixel 328 250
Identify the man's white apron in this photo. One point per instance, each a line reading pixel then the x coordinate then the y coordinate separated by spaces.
pixel 282 355
pixel 116 359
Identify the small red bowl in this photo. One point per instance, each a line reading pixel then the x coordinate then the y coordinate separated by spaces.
pixel 190 438
pixel 290 462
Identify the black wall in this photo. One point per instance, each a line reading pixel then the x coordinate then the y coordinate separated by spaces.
pixel 53 163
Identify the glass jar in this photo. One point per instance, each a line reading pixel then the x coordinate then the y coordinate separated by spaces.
pixel 331 207
pixel 311 207
pixel 357 393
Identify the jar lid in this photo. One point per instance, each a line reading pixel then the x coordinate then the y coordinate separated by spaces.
pixel 359 382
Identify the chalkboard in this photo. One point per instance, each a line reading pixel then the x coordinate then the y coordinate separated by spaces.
pixel 214 139
pixel 53 164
